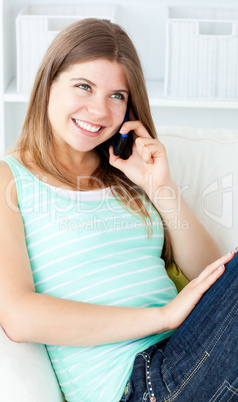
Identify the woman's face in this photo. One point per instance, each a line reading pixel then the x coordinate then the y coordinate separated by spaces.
pixel 87 104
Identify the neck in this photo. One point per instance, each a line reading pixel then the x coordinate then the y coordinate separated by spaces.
pixel 80 170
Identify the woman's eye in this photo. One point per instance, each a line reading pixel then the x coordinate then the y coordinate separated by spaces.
pixel 84 86
pixel 118 96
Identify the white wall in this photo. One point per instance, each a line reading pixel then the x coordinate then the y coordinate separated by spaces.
pixel 145 21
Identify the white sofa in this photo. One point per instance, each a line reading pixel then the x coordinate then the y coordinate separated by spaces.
pixel 204 164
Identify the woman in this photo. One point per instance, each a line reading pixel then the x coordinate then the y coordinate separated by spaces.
pixel 88 232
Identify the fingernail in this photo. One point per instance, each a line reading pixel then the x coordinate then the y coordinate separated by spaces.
pixel 233 251
pixel 122 129
pixel 221 267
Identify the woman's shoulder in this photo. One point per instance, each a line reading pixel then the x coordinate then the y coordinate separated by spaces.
pixel 5 170
pixel 7 183
pixel 5 159
pixel 11 166
pixel 16 163
pixel 8 164
pixel 14 175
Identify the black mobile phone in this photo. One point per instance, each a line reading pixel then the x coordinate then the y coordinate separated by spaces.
pixel 120 139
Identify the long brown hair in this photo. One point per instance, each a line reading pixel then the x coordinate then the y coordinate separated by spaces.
pixel 83 41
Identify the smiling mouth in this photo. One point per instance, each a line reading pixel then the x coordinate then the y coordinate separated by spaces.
pixel 86 126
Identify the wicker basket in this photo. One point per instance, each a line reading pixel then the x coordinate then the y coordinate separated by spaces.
pixel 202 54
pixel 37 26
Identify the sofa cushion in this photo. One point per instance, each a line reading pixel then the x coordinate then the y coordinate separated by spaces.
pixel 26 373
pixel 204 164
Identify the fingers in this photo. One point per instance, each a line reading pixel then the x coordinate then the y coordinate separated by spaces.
pixel 148 149
pixel 209 276
pixel 216 265
pixel 137 127
pixel 116 160
pixel 112 157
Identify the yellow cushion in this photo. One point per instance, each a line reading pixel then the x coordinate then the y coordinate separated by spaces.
pixel 176 275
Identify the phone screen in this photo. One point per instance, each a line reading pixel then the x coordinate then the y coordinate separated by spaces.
pixel 120 139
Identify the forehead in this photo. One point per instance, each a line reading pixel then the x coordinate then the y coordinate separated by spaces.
pixel 100 72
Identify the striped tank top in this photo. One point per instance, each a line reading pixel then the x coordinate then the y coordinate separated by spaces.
pixel 92 250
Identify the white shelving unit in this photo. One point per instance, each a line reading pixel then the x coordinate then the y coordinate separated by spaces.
pixel 145 22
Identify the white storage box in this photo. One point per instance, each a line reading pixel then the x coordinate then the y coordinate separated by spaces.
pixel 37 26
pixel 202 53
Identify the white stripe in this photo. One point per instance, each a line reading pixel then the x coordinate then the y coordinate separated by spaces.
pixel 62 347
pixel 119 383
pixel 36 207
pixel 83 350
pixel 128 286
pixel 69 394
pixel 109 280
pixel 126 345
pixel 151 304
pixel 22 174
pixel 77 353
pixel 78 214
pixel 90 249
pixel 38 230
pixel 92 368
pixel 90 273
pixel 105 377
pixel 62 232
pixel 61 372
pixel 83 374
pixel 27 185
pixel 140 295
pixel 54 360
pixel 107 352
pixel 31 196
pixel 88 262
pixel 86 349
pixel 36 219
pixel 70 241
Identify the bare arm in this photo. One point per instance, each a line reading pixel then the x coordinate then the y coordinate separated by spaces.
pixel 29 316
pixel 193 248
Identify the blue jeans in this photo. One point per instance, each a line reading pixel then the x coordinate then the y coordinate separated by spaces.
pixel 200 361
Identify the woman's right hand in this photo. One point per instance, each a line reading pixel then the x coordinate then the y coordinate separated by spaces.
pixel 175 312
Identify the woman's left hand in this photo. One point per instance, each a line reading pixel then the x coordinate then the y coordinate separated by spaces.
pixel 148 165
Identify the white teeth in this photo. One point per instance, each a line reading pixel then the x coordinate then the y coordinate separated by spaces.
pixel 87 126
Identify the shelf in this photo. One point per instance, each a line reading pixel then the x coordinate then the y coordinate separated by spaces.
pixel 11 94
pixel 155 90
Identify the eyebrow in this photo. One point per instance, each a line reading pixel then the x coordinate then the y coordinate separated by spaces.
pixel 94 85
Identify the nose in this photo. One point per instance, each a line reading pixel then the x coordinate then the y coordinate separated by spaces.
pixel 98 107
